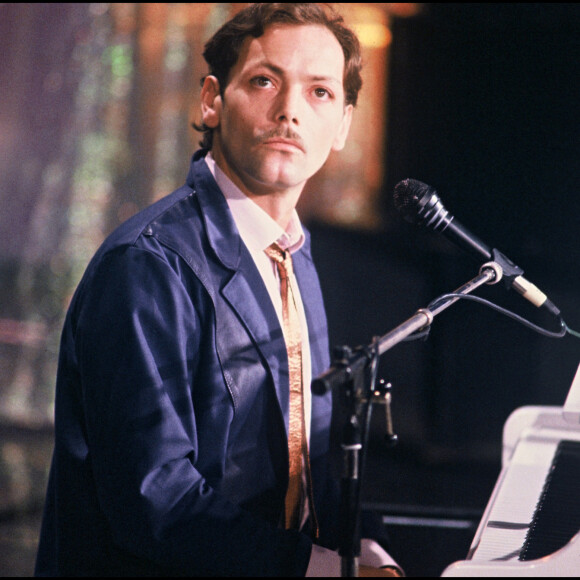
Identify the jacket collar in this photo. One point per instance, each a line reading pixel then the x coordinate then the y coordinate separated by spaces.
pixel 220 226
pixel 221 230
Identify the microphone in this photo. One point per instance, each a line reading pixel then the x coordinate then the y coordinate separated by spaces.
pixel 419 204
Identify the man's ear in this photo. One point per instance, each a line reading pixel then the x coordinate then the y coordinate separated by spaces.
pixel 211 102
pixel 342 133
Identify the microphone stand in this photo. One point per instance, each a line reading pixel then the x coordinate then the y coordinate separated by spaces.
pixel 355 371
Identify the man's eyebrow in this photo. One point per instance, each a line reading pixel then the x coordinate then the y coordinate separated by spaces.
pixel 325 79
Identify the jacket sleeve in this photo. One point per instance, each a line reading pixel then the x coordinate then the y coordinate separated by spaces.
pixel 139 330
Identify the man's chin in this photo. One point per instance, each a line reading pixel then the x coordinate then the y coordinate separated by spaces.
pixel 281 178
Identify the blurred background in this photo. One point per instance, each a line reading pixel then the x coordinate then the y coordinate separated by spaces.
pixel 478 100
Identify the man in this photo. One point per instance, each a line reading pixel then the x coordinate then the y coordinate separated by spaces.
pixel 172 405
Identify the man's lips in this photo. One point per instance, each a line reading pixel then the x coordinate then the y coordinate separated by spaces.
pixel 283 138
pixel 284 144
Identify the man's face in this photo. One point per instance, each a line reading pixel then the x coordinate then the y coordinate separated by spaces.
pixel 283 109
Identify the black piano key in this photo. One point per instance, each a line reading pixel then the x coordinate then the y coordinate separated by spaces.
pixel 557 515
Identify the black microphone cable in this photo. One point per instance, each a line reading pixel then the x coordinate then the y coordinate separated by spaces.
pixel 564 328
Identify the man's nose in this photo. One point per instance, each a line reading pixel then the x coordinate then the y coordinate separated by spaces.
pixel 289 105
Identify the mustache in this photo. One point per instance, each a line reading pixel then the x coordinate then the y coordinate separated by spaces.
pixel 281 133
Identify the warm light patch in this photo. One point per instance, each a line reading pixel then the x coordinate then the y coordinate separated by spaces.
pixel 373 34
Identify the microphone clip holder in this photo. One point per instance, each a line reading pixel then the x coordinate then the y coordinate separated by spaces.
pixel 509 269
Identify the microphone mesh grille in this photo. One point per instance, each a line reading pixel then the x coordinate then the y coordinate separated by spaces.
pixel 407 198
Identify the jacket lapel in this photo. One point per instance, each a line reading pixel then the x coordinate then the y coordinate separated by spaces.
pixel 249 298
pixel 311 295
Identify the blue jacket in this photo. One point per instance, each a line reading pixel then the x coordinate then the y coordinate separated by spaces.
pixel 171 412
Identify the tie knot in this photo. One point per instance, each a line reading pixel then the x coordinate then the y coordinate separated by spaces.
pixel 281 257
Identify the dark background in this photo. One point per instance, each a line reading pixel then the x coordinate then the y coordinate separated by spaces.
pixel 483 106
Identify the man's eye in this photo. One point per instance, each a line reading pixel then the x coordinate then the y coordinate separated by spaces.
pixel 261 81
pixel 322 93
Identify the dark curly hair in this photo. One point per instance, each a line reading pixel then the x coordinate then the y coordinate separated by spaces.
pixel 223 49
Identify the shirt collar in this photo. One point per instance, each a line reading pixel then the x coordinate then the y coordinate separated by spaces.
pixel 257 229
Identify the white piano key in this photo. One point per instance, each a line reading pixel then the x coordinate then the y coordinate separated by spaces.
pixel 503 538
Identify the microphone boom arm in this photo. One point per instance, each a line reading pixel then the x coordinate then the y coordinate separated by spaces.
pixel 348 366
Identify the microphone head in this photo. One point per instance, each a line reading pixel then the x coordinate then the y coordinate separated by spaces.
pixel 418 203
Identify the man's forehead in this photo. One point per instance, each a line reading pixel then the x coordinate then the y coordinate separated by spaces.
pixel 310 45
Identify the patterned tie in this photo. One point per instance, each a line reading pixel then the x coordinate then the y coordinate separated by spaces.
pixel 297 444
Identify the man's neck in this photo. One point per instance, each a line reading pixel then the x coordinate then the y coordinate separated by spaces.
pixel 279 204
